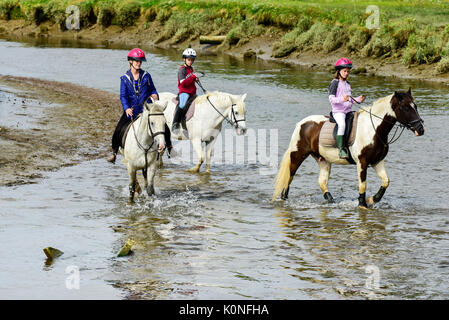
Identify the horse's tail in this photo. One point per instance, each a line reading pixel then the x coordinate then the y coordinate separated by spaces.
pixel 283 177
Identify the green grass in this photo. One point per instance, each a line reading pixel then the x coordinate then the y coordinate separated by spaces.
pixel 414 31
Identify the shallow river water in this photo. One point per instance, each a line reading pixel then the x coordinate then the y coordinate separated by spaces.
pixel 218 236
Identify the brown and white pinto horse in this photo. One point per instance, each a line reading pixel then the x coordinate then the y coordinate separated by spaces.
pixel 370 146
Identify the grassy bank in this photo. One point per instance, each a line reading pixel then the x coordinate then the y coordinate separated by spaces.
pixel 413 32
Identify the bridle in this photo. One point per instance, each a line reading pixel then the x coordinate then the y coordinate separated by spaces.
pixel 232 122
pixel 153 135
pixel 395 124
pixel 236 121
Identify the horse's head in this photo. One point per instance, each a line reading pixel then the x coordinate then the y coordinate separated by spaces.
pixel 406 111
pixel 156 122
pixel 238 112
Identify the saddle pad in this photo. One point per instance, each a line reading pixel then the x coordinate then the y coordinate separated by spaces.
pixel 327 139
pixel 190 111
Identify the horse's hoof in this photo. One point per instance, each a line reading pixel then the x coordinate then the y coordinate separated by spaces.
pixel 193 170
pixel 363 207
pixel 150 191
pixel 370 201
pixel 131 201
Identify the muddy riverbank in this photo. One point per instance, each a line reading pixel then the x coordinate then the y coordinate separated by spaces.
pixel 260 47
pixel 42 129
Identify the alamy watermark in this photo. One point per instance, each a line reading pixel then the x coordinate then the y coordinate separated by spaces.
pixel 372 282
pixel 73 280
pixel 373 20
pixel 257 147
pixel 72 22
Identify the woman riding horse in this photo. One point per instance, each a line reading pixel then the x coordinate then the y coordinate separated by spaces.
pixel 136 88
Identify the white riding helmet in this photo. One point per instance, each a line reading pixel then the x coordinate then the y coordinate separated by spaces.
pixel 189 53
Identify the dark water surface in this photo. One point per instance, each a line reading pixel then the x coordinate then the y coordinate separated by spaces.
pixel 217 236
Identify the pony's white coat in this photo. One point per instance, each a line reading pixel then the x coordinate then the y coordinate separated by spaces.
pixel 206 123
pixel 134 156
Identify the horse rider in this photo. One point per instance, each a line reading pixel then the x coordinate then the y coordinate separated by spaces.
pixel 186 86
pixel 136 88
pixel 339 97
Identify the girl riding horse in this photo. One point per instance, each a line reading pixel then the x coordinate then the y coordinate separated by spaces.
pixel 186 86
pixel 339 95
pixel 136 88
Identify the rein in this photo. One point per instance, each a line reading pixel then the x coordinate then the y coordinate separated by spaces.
pixel 147 150
pixel 232 123
pixel 397 125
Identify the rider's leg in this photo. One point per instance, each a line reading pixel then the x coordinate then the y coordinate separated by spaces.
pixel 167 136
pixel 116 137
pixel 183 97
pixel 341 123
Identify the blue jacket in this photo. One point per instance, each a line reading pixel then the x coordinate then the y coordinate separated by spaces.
pixel 135 96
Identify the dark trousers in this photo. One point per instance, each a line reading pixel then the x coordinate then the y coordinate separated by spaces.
pixel 120 129
pixel 119 132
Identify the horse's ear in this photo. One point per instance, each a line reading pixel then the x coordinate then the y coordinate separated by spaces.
pixel 243 97
pixel 163 104
pixel 409 91
pixel 394 100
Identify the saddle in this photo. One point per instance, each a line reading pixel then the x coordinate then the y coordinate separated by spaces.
pixel 328 132
pixel 125 130
pixel 188 111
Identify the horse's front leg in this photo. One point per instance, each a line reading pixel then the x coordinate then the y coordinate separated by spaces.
pixel 151 172
pixel 382 173
pixel 362 167
pixel 196 143
pixel 132 183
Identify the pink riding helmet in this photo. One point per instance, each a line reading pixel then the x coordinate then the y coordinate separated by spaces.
pixel 343 63
pixel 136 54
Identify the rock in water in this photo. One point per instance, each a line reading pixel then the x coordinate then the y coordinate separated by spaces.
pixel 52 253
pixel 126 249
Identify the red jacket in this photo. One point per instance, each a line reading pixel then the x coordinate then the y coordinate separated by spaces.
pixel 186 80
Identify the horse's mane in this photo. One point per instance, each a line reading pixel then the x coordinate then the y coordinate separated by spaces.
pixel 221 96
pixel 155 107
pixel 384 100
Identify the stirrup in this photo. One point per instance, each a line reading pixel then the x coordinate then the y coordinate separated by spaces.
pixel 343 154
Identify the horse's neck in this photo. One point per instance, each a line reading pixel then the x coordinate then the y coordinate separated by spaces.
pixel 222 105
pixel 142 131
pixel 380 114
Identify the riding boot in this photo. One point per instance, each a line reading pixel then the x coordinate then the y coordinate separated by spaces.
pixel 167 136
pixel 342 152
pixel 112 157
pixel 177 121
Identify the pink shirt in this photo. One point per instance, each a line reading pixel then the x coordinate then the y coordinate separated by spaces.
pixel 337 90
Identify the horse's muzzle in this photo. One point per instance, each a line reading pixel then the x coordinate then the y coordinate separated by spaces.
pixel 240 131
pixel 419 129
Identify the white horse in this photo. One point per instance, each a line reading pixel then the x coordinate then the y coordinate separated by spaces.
pixel 144 141
pixel 211 110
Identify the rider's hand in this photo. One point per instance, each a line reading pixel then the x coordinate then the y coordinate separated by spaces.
pixel 362 98
pixel 346 97
pixel 129 112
